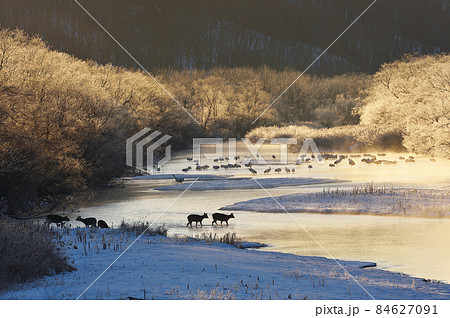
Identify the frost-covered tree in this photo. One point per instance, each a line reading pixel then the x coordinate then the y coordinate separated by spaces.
pixel 64 122
pixel 413 95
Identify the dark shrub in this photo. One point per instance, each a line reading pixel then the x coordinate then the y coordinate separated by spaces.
pixel 28 251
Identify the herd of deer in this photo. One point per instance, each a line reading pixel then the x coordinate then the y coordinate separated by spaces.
pixel 216 217
pixel 92 222
pixel 88 222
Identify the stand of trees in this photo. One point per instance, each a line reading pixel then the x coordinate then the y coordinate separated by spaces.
pixel 202 34
pixel 413 95
pixel 64 121
pixel 404 106
pixel 227 100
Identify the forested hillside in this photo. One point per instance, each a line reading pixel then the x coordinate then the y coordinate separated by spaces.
pixel 406 103
pixel 202 33
pixel 68 103
pixel 64 121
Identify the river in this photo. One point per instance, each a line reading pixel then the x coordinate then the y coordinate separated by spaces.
pixel 415 246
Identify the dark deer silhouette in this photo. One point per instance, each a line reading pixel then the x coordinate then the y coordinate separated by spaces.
pixel 196 218
pixel 222 218
pixel 102 224
pixel 89 222
pixel 58 220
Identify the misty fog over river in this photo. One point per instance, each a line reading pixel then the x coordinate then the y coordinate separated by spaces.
pixel 411 245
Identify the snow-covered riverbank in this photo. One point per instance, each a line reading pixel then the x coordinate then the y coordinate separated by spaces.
pixel 384 201
pixel 179 268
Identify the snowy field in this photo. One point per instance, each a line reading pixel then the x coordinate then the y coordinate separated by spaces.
pixel 384 201
pixel 179 268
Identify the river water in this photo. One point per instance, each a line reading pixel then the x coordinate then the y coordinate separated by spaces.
pixel 416 246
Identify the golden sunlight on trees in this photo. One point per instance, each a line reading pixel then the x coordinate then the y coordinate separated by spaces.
pixel 226 101
pixel 405 103
pixel 64 121
pixel 54 127
pixel 413 95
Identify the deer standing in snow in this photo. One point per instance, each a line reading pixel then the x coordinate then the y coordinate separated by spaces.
pixel 88 222
pixel 58 220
